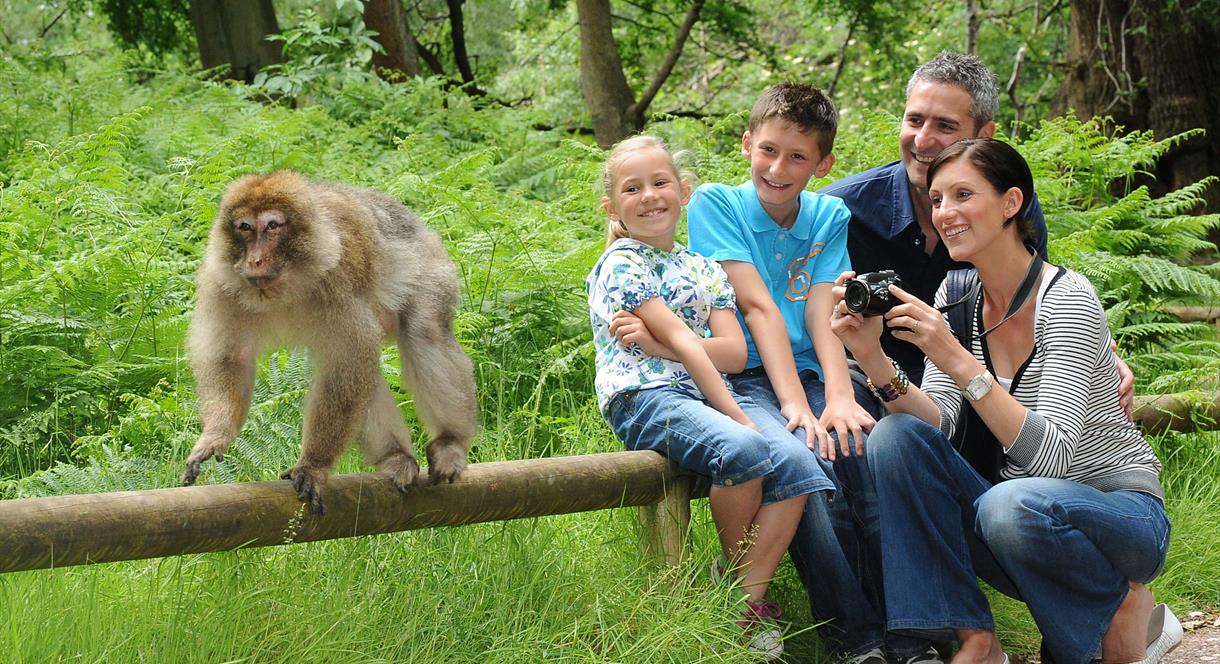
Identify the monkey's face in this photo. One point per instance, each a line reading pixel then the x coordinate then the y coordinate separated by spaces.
pixel 262 243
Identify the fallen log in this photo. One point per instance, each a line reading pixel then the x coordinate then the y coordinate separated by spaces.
pixel 1158 413
pixel 1196 314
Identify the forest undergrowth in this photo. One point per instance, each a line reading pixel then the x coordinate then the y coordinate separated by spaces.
pixel 110 175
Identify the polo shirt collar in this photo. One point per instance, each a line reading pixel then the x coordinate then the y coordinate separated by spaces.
pixel 761 222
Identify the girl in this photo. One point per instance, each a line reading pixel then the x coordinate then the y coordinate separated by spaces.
pixel 1074 523
pixel 659 381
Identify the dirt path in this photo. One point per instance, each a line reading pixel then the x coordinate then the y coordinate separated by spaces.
pixel 1200 645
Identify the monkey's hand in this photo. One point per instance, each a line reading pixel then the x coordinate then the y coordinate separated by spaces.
pixel 308 483
pixel 205 448
pixel 446 460
pixel 402 469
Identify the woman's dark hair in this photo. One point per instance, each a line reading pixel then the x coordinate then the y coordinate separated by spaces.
pixel 1003 167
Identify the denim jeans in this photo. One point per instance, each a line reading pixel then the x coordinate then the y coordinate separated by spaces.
pixel 703 440
pixel 836 549
pixel 1064 548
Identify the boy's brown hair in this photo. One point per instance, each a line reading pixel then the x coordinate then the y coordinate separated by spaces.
pixel 804 106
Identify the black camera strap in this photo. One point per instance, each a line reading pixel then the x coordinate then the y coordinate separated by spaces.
pixel 1019 299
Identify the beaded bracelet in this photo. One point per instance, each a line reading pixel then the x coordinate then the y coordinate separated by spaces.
pixel 897 386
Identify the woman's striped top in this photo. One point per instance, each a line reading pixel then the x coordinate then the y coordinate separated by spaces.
pixel 1074 427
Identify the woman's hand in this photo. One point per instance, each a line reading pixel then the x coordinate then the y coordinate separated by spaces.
pixel 860 335
pixel 1126 383
pixel 920 323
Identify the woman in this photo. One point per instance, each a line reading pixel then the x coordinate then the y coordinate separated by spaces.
pixel 1075 524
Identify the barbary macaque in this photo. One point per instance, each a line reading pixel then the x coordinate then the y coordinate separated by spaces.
pixel 335 269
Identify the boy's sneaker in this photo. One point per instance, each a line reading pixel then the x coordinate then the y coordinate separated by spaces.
pixel 930 656
pixel 874 656
pixel 758 622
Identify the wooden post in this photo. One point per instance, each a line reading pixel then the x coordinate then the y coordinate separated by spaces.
pixel 666 524
pixel 60 531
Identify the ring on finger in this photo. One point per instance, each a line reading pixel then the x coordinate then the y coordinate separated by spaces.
pixel 915 326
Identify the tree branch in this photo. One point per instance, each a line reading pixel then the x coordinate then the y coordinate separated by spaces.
pixel 1012 91
pixel 429 58
pixel 457 28
pixel 834 82
pixel 649 10
pixel 50 25
pixel 643 26
pixel 671 59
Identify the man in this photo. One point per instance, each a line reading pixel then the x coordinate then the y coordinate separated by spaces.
pixel 951 97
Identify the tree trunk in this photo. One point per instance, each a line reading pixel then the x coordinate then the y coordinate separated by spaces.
pixel 1180 63
pixel 388 19
pixel 1150 68
pixel 602 81
pixel 972 27
pixel 234 32
pixel 1101 77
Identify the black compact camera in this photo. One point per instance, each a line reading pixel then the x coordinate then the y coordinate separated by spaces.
pixel 869 293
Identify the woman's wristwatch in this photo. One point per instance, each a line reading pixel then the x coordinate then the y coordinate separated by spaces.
pixel 979 386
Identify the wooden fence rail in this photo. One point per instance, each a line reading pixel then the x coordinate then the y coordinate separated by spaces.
pixel 60 531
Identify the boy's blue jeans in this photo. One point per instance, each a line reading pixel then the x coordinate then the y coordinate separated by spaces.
pixel 836 549
pixel 1064 548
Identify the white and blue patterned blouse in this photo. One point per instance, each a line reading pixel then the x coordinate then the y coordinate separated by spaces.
pixel 629 274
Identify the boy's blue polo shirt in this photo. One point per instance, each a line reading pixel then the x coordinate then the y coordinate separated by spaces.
pixel 730 224
pixel 884 235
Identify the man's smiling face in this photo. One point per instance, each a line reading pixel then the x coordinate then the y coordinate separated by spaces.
pixel 937 115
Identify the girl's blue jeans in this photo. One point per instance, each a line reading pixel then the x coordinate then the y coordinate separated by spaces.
pixel 1064 548
pixel 703 440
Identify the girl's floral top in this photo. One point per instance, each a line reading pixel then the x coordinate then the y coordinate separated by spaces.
pixel 629 274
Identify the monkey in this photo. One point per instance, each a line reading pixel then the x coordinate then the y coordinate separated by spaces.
pixel 336 269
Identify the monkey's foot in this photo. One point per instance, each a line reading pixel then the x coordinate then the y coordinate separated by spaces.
pixel 402 469
pixel 200 453
pixel 308 483
pixel 446 459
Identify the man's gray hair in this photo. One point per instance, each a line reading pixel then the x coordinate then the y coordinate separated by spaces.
pixel 968 73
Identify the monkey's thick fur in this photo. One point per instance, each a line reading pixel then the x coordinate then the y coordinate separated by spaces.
pixel 333 268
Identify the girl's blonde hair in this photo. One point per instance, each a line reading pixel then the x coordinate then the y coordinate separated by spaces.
pixel 618 154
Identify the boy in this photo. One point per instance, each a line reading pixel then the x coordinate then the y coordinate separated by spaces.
pixel 782 248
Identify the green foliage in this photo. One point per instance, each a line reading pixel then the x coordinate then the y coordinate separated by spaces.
pixel 319 54
pixel 161 26
pixel 1136 249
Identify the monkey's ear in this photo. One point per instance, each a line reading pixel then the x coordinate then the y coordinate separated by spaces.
pixel 608 206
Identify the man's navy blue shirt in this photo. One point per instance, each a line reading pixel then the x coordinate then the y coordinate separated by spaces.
pixel 884 235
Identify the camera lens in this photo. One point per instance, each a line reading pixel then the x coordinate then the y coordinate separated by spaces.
pixel 856 296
